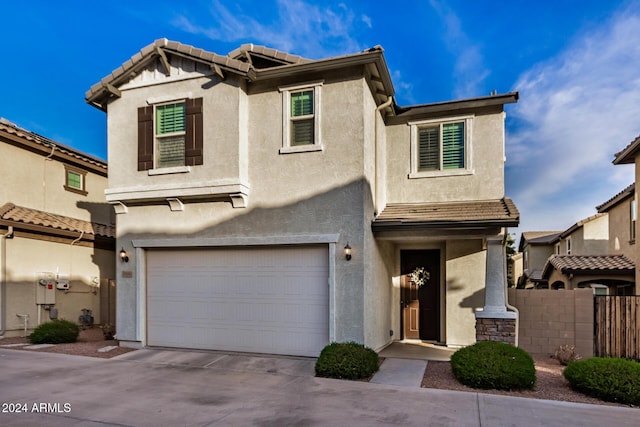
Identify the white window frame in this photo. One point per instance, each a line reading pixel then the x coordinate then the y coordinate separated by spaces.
pixel 468 132
pixel 568 243
pixel 286 117
pixel 633 217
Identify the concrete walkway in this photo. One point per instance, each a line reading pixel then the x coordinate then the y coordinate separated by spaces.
pixel 144 389
pixel 400 372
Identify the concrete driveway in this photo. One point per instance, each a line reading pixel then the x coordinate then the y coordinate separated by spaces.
pixel 151 389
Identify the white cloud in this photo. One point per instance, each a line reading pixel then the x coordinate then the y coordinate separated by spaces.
pixel 575 112
pixel 299 28
pixel 469 71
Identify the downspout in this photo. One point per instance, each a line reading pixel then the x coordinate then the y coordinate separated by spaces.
pixel 3 277
pixel 377 178
pixel 506 296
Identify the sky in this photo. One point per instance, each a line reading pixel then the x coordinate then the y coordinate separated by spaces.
pixel 575 64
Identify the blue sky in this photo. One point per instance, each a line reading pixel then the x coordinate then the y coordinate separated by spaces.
pixel 575 63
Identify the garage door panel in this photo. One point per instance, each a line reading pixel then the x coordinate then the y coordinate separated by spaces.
pixel 271 300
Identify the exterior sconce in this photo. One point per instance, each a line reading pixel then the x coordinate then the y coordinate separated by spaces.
pixel 123 255
pixel 347 252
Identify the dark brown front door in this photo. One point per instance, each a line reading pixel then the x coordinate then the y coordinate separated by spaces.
pixel 420 304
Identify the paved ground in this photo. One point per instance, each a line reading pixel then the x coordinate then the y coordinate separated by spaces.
pixel 147 388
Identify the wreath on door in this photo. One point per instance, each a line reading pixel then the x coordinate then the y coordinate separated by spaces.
pixel 420 276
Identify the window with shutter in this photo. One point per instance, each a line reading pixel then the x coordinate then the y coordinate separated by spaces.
pixel 170 135
pixel 301 118
pixel 440 148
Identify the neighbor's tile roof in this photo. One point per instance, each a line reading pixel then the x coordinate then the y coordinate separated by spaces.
pixel 19 215
pixel 589 264
pixel 48 144
pixel 627 155
pixel 627 192
pixel 483 213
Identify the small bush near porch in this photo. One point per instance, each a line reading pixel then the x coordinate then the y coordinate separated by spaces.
pixel 55 332
pixel 607 378
pixel 350 361
pixel 494 365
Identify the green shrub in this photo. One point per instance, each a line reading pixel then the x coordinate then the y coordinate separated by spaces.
pixel 349 360
pixel 607 378
pixel 494 365
pixel 55 332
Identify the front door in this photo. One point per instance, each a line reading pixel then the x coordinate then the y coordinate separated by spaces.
pixel 420 294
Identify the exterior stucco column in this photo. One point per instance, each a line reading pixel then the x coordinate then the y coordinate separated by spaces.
pixel 495 279
pixel 494 322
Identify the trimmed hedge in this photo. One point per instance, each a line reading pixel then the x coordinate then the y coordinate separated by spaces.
pixel 494 365
pixel 350 360
pixel 55 332
pixel 607 378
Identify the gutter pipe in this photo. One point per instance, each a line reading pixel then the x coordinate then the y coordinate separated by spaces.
pixel 377 178
pixel 3 277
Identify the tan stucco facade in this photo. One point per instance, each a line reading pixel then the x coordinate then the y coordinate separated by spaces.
pixel 35 180
pixel 249 191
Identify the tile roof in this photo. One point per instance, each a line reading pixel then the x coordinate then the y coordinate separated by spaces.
pixel 627 155
pixel 627 192
pixel 589 264
pixel 246 49
pixel 580 224
pixel 11 214
pixel 49 144
pixel 538 238
pixel 484 213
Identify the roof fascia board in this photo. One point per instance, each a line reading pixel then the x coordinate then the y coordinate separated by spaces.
pixel 45 150
pixel 628 154
pixel 331 64
pixel 401 225
pixel 405 114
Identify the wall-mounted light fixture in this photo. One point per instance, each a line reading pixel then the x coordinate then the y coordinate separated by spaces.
pixel 347 252
pixel 123 255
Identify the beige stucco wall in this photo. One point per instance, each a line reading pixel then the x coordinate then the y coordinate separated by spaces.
pixel 465 281
pixel 37 183
pixel 536 256
pixel 487 161
pixel 86 267
pixel 620 230
pixel 592 238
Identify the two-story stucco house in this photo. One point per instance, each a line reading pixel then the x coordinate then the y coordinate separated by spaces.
pixel 57 236
pixel 271 203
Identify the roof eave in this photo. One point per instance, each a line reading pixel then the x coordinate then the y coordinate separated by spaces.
pixel 444 224
pixel 628 154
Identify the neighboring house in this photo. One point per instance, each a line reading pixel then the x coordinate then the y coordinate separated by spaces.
pixel 56 234
pixel 606 274
pixel 536 248
pixel 271 203
pixel 589 236
pixel 630 155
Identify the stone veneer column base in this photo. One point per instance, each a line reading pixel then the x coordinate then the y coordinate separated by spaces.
pixel 496 329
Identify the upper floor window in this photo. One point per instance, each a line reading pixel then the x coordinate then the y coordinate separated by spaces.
pixel 568 245
pixel 440 147
pixel 301 118
pixel 75 180
pixel 557 248
pixel 632 220
pixel 170 135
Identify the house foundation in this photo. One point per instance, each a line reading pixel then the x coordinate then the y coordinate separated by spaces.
pixel 503 330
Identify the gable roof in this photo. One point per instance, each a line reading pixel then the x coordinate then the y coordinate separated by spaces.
pixel 485 213
pixel 628 154
pixel 272 64
pixel 19 137
pixel 588 264
pixel 618 198
pixel 580 224
pixel 538 238
pixel 48 223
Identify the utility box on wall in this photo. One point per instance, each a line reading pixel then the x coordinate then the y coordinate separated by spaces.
pixel 46 288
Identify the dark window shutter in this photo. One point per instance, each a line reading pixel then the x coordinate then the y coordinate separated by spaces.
pixel 193 133
pixel 145 138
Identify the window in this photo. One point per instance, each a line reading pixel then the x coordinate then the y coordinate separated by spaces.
pixel 170 135
pixel 301 118
pixel 170 132
pixel 557 248
pixel 632 223
pixel 568 245
pixel 74 180
pixel 440 148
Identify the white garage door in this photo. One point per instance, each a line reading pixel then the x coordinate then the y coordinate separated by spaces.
pixel 262 300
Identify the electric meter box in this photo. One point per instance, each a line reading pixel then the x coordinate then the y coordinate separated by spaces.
pixel 45 288
pixel 62 282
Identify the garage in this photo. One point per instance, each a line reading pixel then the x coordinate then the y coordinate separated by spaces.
pixel 266 299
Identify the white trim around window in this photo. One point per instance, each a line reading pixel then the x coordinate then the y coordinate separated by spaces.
pixel 414 133
pixel 287 91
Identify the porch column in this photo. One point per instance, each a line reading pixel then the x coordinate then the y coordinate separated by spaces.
pixel 494 322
